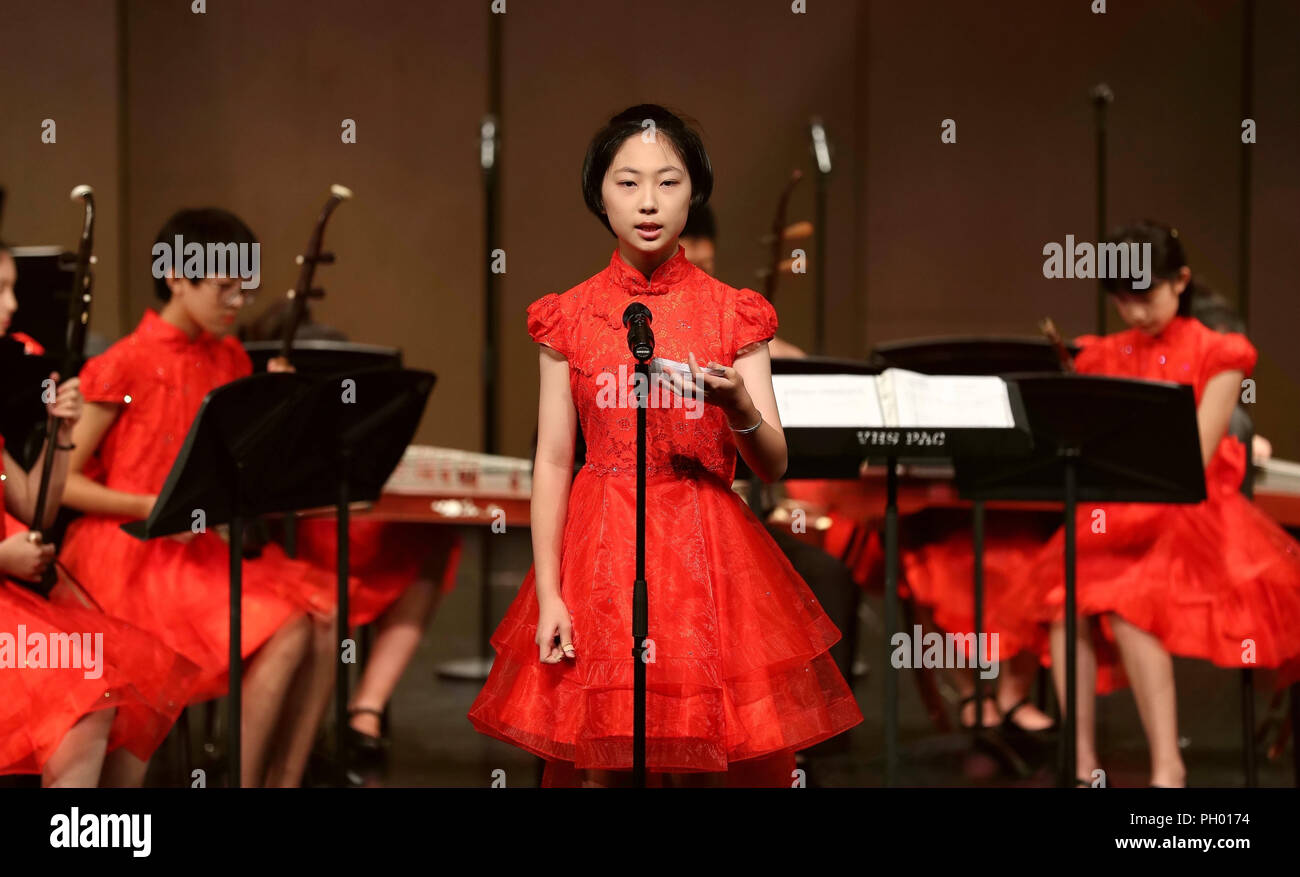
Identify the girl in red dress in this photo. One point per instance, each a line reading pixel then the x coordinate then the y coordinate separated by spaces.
pixel 1217 580
pixel 740 675
pixel 143 393
pixel 100 721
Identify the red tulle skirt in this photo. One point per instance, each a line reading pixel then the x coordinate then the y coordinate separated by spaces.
pixel 937 559
pixel 146 682
pixel 741 666
pixel 180 592
pixel 1218 580
pixel 384 556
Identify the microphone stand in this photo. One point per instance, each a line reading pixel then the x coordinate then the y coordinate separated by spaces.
pixel 640 341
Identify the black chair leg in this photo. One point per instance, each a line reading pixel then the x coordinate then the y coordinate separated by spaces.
pixel 1295 732
pixel 1248 727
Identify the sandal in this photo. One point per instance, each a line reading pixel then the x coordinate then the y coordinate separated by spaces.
pixel 1009 724
pixel 970 698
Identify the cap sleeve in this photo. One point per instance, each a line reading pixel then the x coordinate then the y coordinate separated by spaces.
pixel 1228 351
pixel 546 324
pixel 1091 355
pixel 108 377
pixel 755 322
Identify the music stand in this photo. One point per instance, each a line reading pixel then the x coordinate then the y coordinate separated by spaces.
pixel 367 418
pixel 322 358
pixel 838 451
pixel 250 452
pixel 975 355
pixel 1084 429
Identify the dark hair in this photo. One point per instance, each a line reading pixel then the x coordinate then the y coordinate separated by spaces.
pixel 1167 259
pixel 1214 311
pixel 700 224
pixel 203 225
pixel 680 135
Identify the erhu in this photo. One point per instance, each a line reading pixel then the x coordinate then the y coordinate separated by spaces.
pixel 74 352
pixel 303 291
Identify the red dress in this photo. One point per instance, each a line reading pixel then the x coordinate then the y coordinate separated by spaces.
pixel 384 556
pixel 146 682
pixel 1212 580
pixel 741 666
pixel 178 591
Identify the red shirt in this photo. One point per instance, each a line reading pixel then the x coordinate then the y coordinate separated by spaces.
pixel 158 376
pixel 1186 352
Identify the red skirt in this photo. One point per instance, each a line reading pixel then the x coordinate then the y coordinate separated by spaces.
pixel 1218 580
pixel 146 682
pixel 741 666
pixel 937 559
pixel 384 557
pixel 180 592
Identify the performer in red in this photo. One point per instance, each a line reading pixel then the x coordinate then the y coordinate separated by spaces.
pixel 1218 580
pixel 142 394
pixel 740 675
pixel 96 719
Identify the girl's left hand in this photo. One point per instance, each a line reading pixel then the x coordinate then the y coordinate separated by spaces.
pixel 279 364
pixel 727 392
pixel 67 401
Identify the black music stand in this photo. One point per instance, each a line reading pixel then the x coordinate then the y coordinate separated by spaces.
pixel 318 359
pixel 1096 439
pixel 251 450
pixel 837 452
pixel 975 355
pixel 45 278
pixel 22 413
pixel 231 468
pixel 367 418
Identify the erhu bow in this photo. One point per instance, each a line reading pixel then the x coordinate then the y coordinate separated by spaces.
pixel 1050 332
pixel 303 291
pixel 74 351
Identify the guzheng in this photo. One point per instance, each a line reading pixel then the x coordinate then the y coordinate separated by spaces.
pixel 449 486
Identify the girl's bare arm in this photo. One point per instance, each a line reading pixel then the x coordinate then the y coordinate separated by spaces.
pixel 86 495
pixel 1215 411
pixel 557 430
pixel 764 449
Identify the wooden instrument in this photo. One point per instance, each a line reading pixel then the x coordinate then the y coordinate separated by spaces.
pixel 1049 330
pixel 303 291
pixel 78 322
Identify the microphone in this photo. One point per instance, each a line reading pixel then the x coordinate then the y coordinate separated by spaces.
pixel 640 339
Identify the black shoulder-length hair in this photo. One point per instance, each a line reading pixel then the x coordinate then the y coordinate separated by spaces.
pixel 1167 259
pixel 202 225
pixel 631 122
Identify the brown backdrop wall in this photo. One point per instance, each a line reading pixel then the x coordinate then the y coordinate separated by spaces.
pixel 242 107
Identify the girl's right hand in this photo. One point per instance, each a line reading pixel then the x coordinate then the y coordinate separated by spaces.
pixel 554 620
pixel 24 557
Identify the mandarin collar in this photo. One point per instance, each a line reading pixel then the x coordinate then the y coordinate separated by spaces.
pixel 672 272
pixel 1167 335
pixel 153 326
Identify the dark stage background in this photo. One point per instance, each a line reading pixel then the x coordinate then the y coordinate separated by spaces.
pixel 158 107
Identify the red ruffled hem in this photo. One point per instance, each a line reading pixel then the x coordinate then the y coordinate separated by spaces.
pixel 741 666
pixel 147 684
pixel 1219 580
pixel 385 557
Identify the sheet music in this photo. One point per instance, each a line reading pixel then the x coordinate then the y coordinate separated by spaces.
pixel 827 400
pixel 946 401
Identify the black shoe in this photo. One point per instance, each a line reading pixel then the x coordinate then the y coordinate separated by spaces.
pixel 365 752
